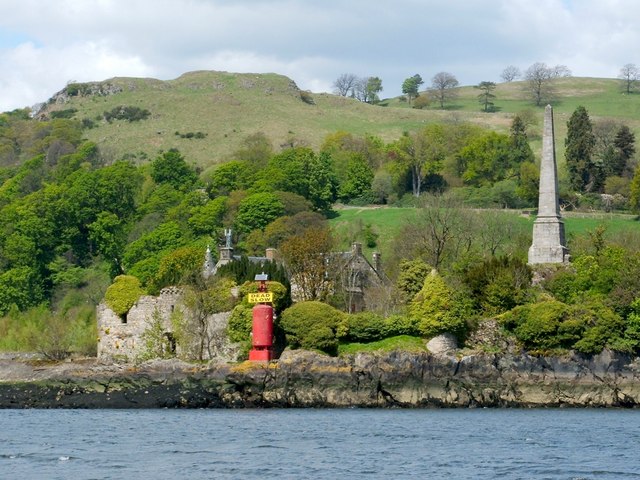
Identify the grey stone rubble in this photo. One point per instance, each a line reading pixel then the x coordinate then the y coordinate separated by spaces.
pixel 548 244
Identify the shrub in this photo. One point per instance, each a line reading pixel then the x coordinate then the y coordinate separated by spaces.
pixel 123 293
pixel 131 114
pixel 306 97
pixel 436 309
pixel 312 325
pixel 240 323
pixel 401 325
pixel 363 327
pixel 539 323
pixel 499 284
pixel 588 327
pixel 411 277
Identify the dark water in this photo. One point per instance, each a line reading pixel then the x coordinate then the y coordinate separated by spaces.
pixel 319 444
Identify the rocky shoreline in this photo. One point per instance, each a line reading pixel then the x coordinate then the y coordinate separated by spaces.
pixel 306 379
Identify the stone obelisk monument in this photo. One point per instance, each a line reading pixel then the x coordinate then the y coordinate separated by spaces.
pixel 549 244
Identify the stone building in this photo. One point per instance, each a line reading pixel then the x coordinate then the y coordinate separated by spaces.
pixel 353 277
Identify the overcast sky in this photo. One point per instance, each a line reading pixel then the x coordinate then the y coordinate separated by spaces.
pixel 46 43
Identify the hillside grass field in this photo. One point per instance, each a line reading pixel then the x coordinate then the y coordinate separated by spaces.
pixel 228 107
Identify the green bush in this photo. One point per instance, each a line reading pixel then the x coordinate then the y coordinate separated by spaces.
pixel 312 325
pixel 123 112
pixel 587 327
pixel 436 310
pixel 499 284
pixel 240 323
pixel 539 323
pixel 401 325
pixel 363 327
pixel 123 293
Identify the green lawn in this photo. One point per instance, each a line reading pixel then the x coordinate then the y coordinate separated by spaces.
pixel 401 342
pixel 349 223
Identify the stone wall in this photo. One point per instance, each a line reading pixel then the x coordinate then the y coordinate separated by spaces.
pixel 120 339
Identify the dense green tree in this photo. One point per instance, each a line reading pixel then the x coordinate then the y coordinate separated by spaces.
pixel 299 170
pixel 421 153
pixel 229 176
pixel 108 237
pixel 487 159
pixel 322 182
pixel 257 211
pixel 625 145
pixel 205 219
pixel 357 182
pixel 584 175
pixel 170 167
pixel 166 237
pixel 411 85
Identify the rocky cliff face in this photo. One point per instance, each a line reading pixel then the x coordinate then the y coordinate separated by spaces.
pixel 305 379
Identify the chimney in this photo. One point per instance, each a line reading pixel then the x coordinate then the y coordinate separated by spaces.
pixel 377 261
pixel 270 253
pixel 356 249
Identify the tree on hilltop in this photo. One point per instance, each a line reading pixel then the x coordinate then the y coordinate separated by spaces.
pixel 345 84
pixel 629 74
pixel 443 85
pixel 540 79
pixel 486 97
pixel 366 89
pixel 410 86
pixel 510 73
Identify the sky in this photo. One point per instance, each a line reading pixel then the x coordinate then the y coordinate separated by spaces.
pixel 44 44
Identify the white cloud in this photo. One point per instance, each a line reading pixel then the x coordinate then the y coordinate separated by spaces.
pixel 311 41
pixel 32 74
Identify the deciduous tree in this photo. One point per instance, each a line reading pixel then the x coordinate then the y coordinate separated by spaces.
pixel 345 84
pixel 629 74
pixel 510 73
pixel 305 258
pixel 540 77
pixel 443 85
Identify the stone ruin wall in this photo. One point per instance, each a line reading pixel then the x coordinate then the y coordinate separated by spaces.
pixel 122 341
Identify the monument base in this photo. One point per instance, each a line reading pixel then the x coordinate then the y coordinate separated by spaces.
pixel 547 231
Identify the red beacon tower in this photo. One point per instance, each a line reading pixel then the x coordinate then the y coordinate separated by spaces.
pixel 262 328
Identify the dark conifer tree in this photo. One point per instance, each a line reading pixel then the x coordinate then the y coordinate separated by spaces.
pixel 625 145
pixel 584 174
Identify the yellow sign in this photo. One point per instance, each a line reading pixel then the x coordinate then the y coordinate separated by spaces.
pixel 261 297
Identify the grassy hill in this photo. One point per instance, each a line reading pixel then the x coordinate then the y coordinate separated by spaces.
pixel 227 107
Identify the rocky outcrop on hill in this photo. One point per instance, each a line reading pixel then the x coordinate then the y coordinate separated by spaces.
pixel 306 379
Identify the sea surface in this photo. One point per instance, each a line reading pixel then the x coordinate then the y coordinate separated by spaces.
pixel 320 444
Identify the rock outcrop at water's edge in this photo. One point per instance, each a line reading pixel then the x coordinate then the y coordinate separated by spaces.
pixel 306 379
